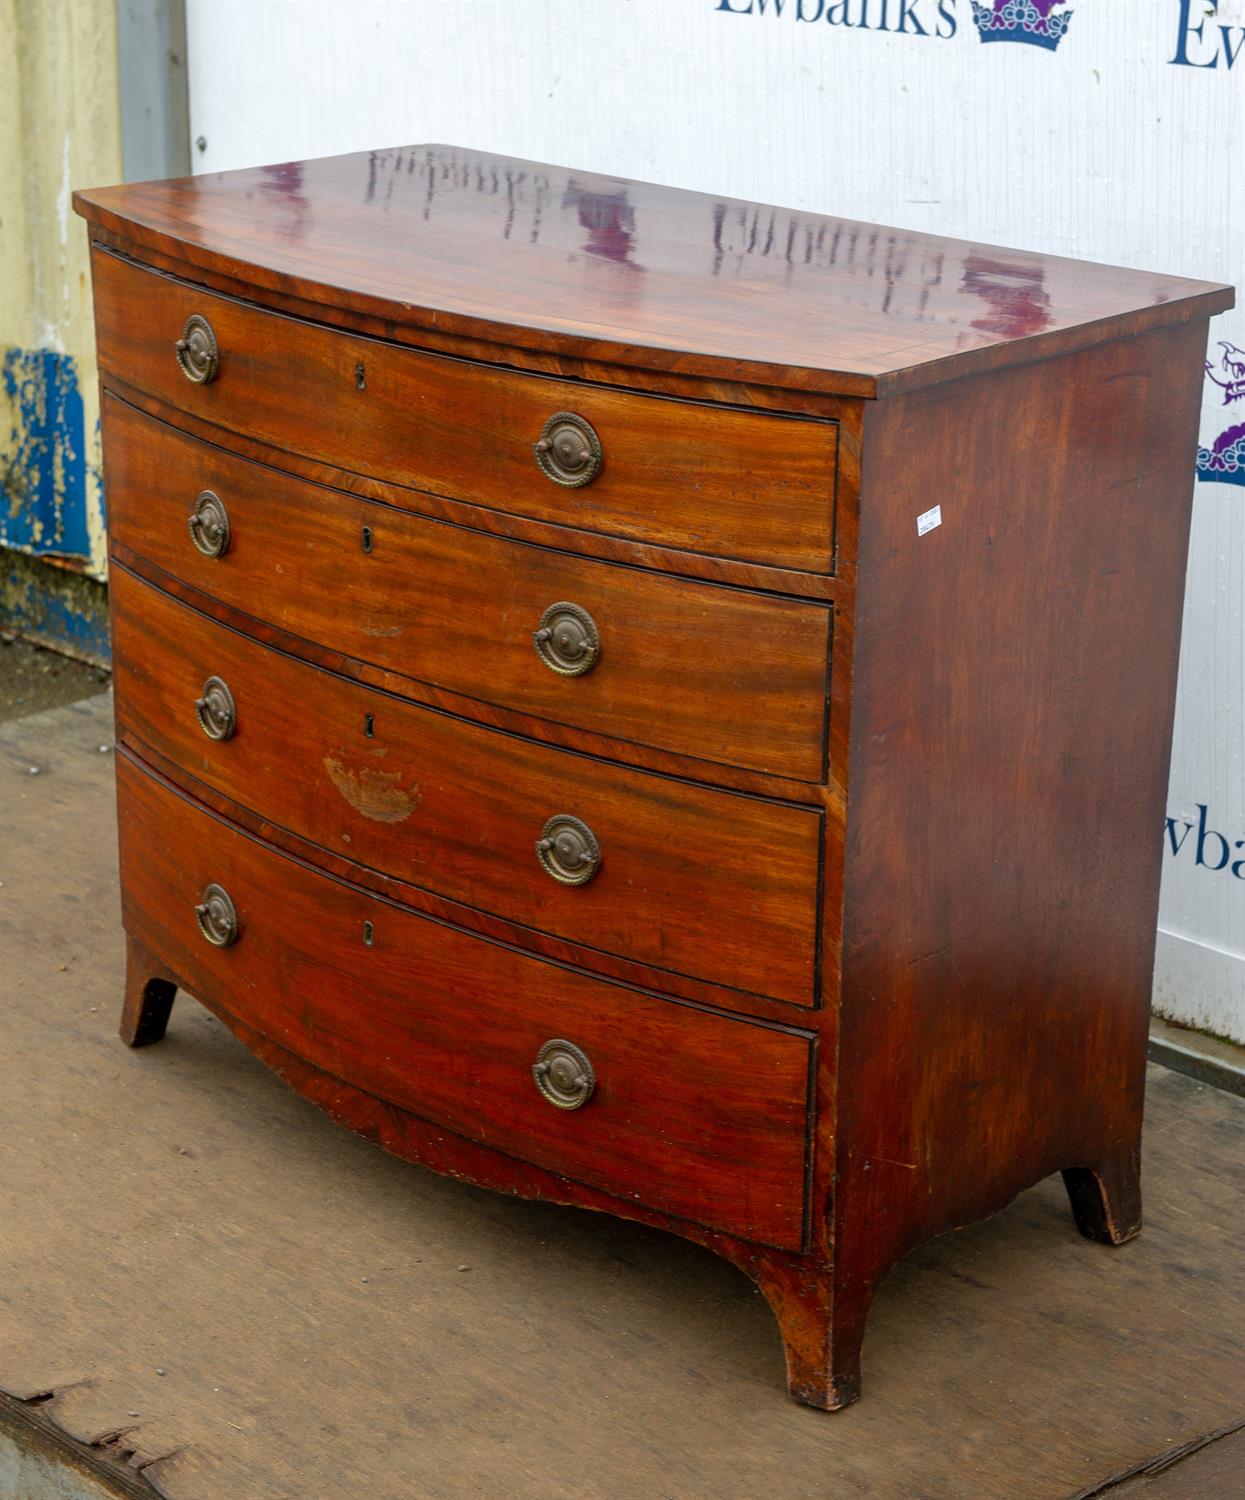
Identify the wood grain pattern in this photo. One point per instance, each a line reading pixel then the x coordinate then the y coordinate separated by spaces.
pixel 597 363
pixel 720 886
pixel 568 736
pixel 569 951
pixel 1008 781
pixel 985 765
pixel 657 278
pixel 247 1220
pixel 704 1116
pixel 699 477
pixel 458 608
pixel 560 537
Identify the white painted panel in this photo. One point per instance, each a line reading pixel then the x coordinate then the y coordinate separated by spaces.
pixel 1124 144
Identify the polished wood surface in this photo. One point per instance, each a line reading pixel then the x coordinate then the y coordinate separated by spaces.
pixel 562 535
pixel 687 475
pixel 953 745
pixel 1004 1362
pixel 567 736
pixel 703 1114
pixel 447 239
pixel 717 885
pixel 457 608
pixel 1021 751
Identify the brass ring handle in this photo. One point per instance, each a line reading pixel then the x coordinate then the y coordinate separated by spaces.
pixel 568 451
pixel 217 918
pixel 198 355
pixel 563 1074
pixel 209 525
pixel 568 850
pixel 218 718
pixel 567 640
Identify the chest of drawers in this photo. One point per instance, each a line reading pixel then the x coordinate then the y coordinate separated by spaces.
pixel 648 701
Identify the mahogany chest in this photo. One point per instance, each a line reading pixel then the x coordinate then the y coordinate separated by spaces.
pixel 649 701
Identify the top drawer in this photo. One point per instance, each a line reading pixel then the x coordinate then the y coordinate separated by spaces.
pixel 703 478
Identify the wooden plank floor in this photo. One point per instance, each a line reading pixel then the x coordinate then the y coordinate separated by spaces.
pixel 192 1256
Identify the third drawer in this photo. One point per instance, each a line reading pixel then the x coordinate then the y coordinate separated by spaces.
pixel 718 886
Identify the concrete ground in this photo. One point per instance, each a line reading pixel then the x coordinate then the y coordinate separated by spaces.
pixel 33 679
pixel 210 1291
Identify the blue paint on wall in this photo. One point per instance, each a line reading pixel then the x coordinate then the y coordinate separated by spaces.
pixel 43 476
pixel 55 606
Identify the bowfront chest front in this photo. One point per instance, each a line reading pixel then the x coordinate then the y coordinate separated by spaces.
pixel 649 701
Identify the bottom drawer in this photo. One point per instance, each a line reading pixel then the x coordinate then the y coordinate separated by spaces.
pixel 693 1113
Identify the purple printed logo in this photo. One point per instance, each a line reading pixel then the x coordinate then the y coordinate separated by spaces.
pixel 1224 461
pixel 1230 377
pixel 1032 21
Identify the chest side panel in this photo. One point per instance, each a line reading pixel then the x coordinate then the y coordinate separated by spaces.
pixel 1014 678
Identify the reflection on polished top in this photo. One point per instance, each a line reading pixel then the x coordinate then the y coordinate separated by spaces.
pixel 493 248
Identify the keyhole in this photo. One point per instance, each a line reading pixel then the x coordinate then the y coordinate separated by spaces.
pixel 367 934
pixel 369 726
pixel 360 380
pixel 367 538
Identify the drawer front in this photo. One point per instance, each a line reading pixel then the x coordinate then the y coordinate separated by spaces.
pixel 703 478
pixel 693 1113
pixel 711 884
pixel 718 673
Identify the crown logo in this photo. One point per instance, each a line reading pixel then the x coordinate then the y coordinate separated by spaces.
pixel 1032 21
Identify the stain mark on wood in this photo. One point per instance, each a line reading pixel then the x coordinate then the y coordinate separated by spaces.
pixel 376 794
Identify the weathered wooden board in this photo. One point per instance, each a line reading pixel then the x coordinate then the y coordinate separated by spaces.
pixel 179 1211
pixel 1213 1469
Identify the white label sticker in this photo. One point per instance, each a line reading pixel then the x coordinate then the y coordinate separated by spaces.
pixel 929 520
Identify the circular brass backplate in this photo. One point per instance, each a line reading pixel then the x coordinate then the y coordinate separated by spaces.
pixel 568 850
pixel 217 918
pixel 563 1074
pixel 209 525
pixel 198 356
pixel 218 718
pixel 568 451
pixel 567 640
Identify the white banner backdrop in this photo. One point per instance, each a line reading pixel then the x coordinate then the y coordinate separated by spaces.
pixel 1108 129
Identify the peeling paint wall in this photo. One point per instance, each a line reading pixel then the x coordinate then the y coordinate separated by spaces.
pixel 43 484
pixel 54 605
pixel 59 128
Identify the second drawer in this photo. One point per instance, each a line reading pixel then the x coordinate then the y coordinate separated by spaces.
pixel 715 885
pixel 721 674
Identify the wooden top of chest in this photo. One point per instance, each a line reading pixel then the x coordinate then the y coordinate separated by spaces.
pixel 463 243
